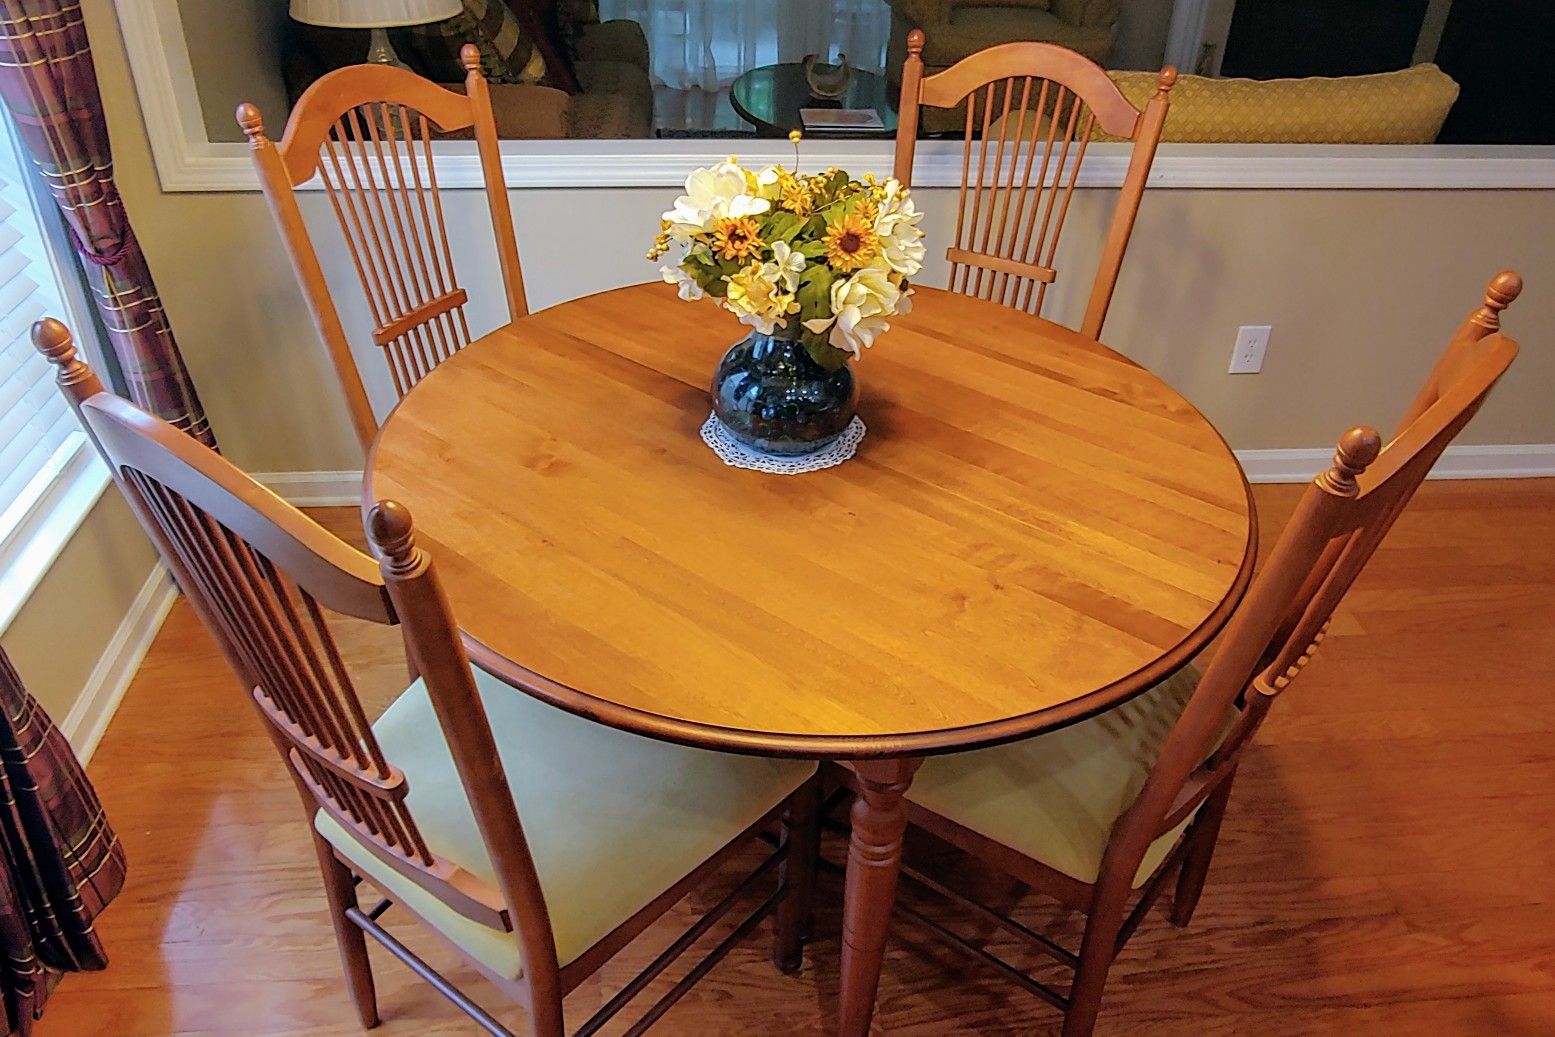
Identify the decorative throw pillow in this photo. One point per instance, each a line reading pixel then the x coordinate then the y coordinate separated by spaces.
pixel 507 54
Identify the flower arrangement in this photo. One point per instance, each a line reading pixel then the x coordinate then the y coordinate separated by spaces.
pixel 826 251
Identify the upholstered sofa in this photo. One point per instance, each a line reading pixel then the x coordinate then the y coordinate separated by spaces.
pixel 587 80
pixel 955 29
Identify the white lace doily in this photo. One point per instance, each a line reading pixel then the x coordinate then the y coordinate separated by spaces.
pixel 738 455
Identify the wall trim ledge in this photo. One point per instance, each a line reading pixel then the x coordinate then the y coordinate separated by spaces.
pixel 84 725
pixel 315 489
pixel 1496 461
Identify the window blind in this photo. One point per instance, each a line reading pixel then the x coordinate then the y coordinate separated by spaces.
pixel 38 431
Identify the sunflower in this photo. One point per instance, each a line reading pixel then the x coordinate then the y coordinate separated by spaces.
pixel 794 194
pixel 736 238
pixel 850 243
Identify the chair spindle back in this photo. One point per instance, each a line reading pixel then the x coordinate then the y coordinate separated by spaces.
pixel 1338 525
pixel 262 576
pixel 366 131
pixel 1024 100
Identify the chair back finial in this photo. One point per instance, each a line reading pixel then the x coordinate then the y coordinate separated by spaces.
pixel 470 58
pixel 389 529
pixel 1024 100
pixel 1502 291
pixel 58 346
pixel 1357 449
pixel 250 121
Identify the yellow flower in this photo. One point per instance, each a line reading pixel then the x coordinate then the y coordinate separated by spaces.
pixel 795 195
pixel 850 243
pixel 736 238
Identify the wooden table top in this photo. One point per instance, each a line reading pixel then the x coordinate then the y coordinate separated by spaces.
pixel 1033 529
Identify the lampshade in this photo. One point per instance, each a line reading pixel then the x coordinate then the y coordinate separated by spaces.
pixel 373 14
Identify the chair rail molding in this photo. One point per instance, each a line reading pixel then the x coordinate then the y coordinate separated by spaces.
pixel 188 161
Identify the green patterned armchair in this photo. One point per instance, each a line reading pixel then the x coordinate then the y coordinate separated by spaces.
pixel 955 29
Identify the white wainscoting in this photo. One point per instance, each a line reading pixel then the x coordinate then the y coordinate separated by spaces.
pixel 84 725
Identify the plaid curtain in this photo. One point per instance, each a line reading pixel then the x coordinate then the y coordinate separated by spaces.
pixel 48 82
pixel 60 863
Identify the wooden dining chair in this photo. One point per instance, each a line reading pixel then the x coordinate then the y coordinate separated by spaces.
pixel 534 842
pixel 1100 815
pixel 366 131
pixel 1022 101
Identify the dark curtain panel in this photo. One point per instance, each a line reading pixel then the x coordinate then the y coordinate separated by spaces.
pixel 60 862
pixel 48 82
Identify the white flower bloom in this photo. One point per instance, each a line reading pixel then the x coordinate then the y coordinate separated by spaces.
pixel 712 194
pixel 767 183
pixel 860 305
pixel 687 286
pixel 896 227
pixel 786 266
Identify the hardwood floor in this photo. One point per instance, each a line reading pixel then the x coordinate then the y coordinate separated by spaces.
pixel 1384 868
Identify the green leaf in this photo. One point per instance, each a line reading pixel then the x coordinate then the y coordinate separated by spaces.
pixel 822 352
pixel 783 226
pixel 812 249
pixel 814 293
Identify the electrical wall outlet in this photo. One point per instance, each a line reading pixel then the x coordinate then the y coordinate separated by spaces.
pixel 1251 342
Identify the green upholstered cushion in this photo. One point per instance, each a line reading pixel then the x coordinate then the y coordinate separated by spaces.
pixel 613 820
pixel 1055 797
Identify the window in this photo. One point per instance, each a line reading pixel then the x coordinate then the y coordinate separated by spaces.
pixel 641 121
pixel 49 475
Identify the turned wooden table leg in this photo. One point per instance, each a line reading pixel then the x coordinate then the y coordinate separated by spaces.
pixel 879 820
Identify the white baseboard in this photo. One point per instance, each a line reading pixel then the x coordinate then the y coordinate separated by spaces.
pixel 84 725
pixel 1510 461
pixel 315 489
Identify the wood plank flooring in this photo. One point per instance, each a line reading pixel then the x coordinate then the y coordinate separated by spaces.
pixel 1385 868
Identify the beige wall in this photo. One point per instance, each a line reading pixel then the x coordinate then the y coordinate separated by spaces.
pixel 58 636
pixel 1362 288
pixel 235 49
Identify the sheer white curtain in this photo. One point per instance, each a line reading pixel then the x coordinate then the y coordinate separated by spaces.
pixel 706 44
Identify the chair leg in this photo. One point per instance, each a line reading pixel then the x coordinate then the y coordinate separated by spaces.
pixel 1097 951
pixel 340 889
pixel 796 874
pixel 1196 857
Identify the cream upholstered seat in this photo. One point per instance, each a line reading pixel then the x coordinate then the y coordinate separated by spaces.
pixel 612 819
pixel 1055 797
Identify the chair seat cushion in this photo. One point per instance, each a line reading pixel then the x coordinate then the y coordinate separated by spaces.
pixel 613 820
pixel 1055 797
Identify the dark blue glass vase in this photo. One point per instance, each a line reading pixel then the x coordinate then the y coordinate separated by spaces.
pixel 771 394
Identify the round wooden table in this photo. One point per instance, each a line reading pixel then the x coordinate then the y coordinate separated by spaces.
pixel 1033 529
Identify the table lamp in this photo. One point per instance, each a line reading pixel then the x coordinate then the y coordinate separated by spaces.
pixel 376 15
